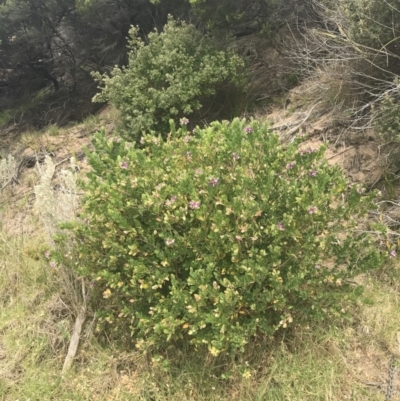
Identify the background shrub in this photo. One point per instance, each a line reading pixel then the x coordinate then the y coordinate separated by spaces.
pixel 217 236
pixel 372 22
pixel 170 77
pixel 387 117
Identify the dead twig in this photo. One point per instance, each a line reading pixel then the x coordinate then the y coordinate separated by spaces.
pixel 76 334
pixel 339 153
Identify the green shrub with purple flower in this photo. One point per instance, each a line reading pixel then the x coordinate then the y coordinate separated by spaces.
pixel 218 236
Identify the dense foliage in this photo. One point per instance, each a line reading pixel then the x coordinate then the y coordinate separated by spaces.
pixel 54 45
pixel 170 77
pixel 51 43
pixel 55 41
pixel 217 235
pixel 357 47
pixel 242 17
pixel 387 122
pixel 377 24
pixel 373 22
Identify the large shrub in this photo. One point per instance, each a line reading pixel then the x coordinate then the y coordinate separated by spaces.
pixel 172 76
pixel 218 235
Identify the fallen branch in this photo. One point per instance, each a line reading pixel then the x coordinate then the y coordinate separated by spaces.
pixel 339 153
pixel 73 345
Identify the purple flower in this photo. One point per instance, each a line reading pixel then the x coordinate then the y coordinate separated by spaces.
pixel 213 182
pixel 317 267
pixel 92 283
pixel 124 164
pixel 248 130
pixel 184 121
pixel 171 201
pixel 169 242
pixel 235 156
pixel 186 139
pixel 308 151
pixel 312 209
pixel 280 226
pixel 86 221
pixel 194 204
pixel 290 165
pixel 392 254
pixel 47 254
pixel 85 160
pixel 53 264
pixel 312 173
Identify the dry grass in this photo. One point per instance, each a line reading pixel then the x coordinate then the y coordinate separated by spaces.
pixel 328 90
pixel 7 170
pixel 56 206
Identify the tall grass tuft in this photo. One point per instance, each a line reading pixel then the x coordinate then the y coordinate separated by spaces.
pixel 55 207
pixel 7 170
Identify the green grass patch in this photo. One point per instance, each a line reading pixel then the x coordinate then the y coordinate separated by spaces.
pixel 91 122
